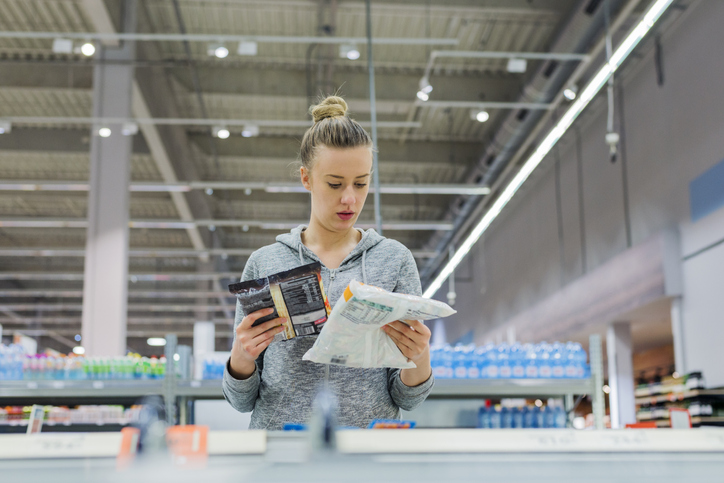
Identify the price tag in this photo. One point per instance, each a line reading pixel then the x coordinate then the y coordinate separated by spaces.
pixel 32 385
pixel 58 384
pixel 98 385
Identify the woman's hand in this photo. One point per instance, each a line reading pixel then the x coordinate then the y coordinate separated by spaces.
pixel 251 341
pixel 412 337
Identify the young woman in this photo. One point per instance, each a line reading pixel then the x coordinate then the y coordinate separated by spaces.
pixel 271 379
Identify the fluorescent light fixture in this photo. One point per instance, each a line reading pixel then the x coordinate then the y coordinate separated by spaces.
pixel 79 350
pixel 156 341
pixel 349 51
pixel 218 50
pixel 88 49
pixel 571 92
pixel 517 66
pixel 129 129
pixel 422 96
pixel 594 86
pixel 63 46
pixel 104 132
pixel 220 132
pixel 247 48
pixel 5 127
pixel 250 130
pixel 478 115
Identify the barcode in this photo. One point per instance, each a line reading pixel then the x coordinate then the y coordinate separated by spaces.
pixel 338 359
pixel 305 330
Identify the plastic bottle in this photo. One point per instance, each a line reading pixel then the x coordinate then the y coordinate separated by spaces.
pixel 517 358
pixel 557 360
pixel 518 415
pixel 531 362
pixel 447 361
pixel 435 361
pixel 504 369
pixel 495 417
pixel 492 371
pixel 530 417
pixel 483 417
pixel 545 370
pixel 474 363
pixel 458 364
pixel 540 420
pixel 506 418
pixel 550 417
pixel 559 417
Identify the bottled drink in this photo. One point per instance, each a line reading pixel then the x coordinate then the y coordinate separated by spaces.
pixel 517 358
pixel 506 418
pixel 557 360
pixel 459 363
pixel 518 415
pixel 473 363
pixel 530 417
pixel 559 416
pixel 483 417
pixel 504 369
pixel 495 418
pixel 543 352
pixel 531 362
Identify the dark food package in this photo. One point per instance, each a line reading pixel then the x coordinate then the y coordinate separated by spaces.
pixel 296 295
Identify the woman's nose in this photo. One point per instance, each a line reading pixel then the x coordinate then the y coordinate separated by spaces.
pixel 348 197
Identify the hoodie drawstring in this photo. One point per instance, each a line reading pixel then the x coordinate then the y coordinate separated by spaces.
pixel 301 255
pixel 364 272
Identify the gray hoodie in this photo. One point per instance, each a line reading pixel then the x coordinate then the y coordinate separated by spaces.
pixel 283 386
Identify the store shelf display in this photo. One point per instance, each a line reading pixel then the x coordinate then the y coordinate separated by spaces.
pixel 514 361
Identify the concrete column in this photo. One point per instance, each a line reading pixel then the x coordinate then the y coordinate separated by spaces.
pixel 620 374
pixel 677 330
pixel 105 286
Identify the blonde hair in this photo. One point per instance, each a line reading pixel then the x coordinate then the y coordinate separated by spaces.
pixel 332 128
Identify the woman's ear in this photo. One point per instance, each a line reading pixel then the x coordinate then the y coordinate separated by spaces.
pixel 306 178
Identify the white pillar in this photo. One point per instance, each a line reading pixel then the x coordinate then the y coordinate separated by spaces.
pixel 105 284
pixel 204 343
pixel 620 374
pixel 677 330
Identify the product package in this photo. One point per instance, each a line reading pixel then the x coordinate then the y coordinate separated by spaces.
pixel 296 295
pixel 353 335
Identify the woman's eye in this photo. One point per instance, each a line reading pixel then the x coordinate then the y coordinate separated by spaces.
pixel 360 185
pixel 334 186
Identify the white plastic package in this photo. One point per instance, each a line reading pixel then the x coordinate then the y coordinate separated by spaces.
pixel 353 336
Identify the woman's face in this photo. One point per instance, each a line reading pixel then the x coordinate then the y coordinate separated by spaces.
pixel 339 183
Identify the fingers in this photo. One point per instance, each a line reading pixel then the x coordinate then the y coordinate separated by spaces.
pixel 266 326
pixel 408 331
pixel 249 320
pixel 255 345
pixel 402 341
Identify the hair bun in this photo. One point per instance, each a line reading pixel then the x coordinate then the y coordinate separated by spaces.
pixel 332 106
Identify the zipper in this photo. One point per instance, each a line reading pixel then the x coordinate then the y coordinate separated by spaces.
pixel 332 274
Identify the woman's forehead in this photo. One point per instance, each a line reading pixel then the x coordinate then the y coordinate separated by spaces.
pixel 346 162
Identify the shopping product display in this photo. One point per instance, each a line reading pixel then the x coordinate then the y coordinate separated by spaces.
pixel 353 336
pixel 16 365
pixel 510 361
pixel 85 414
pixel 214 366
pixel 527 417
pixel 296 295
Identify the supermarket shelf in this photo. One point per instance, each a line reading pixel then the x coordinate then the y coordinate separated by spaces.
pixel 680 396
pixel 79 389
pixel 9 427
pixel 510 387
pixel 208 389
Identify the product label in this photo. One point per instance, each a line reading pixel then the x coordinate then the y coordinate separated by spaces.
pixel 545 371
pixel 571 371
pixel 505 372
pixel 296 295
pixel 364 312
pixel 518 371
pixel 473 373
pixel 557 371
pixel 531 371
pixel 460 372
pixel 492 371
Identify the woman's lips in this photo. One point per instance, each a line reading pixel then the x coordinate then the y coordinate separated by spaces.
pixel 345 215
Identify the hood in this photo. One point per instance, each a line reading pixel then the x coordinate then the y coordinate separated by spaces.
pixel 293 240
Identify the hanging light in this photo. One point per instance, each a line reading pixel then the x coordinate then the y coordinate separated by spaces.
pixel 79 350
pixel 250 130
pixel 349 51
pixel 156 341
pixel 88 49
pixel 104 132
pixel 478 115
pixel 220 132
pixel 5 127
pixel 571 92
pixel 217 49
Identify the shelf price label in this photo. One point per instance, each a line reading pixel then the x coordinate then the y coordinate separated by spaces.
pixel 188 445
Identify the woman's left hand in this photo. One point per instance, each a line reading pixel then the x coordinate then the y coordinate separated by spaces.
pixel 412 337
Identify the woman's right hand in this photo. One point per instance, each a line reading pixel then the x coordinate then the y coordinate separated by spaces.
pixel 251 341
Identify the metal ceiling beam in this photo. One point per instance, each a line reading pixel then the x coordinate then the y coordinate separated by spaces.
pixel 131 307
pixel 262 39
pixel 129 334
pixel 133 278
pixel 485 105
pixel 427 189
pixel 185 225
pixel 153 252
pixel 182 121
pixel 30 293
pixel 131 320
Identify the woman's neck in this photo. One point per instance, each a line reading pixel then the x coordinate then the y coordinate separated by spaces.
pixel 318 237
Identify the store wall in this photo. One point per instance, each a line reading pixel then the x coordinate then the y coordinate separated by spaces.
pixel 671 134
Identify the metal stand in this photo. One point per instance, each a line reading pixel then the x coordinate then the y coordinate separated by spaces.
pixel 598 403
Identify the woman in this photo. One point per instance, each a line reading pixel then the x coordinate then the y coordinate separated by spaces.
pixel 271 379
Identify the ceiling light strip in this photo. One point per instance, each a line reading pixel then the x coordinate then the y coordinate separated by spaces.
pixel 594 86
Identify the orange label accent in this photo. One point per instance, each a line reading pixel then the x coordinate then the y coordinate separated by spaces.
pixel 188 445
pixel 347 294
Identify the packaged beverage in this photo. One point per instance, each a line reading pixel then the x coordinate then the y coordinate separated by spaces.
pixel 446 359
pixel 518 415
pixel 559 417
pixel 540 418
pixel 459 363
pixel 491 362
pixel 545 370
pixel 296 295
pixel 530 417
pixel 496 421
pixel 353 337
pixel 506 418
pixel 472 363
pixel 517 359
pixel 531 362
pixel 483 417
pixel 557 360
pixel 550 417
pixel 504 369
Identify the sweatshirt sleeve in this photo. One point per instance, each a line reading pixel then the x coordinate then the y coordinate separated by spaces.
pixel 242 393
pixel 406 397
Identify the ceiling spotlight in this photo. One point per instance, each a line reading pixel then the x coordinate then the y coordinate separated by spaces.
pixel 63 46
pixel 77 337
pixel 250 130
pixel 209 191
pixel 480 116
pixel 607 389
pixel 422 96
pixel 212 227
pixel 247 48
pixel 220 132
pixel 571 92
pixel 224 256
pixel 129 129
pixel 104 132
pixel 79 350
pixel 517 66
pixel 156 341
pixel 425 85
pixel 88 49
pixel 218 50
pixel 245 228
pixel 5 127
pixel 349 51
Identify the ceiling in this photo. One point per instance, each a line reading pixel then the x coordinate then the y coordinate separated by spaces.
pixel 178 79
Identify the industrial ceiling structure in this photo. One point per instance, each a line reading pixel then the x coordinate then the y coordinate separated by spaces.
pixel 220 103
